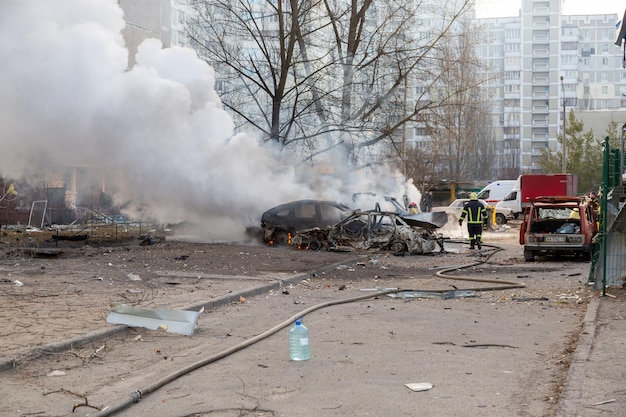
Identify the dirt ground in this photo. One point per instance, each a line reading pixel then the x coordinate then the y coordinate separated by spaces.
pixel 64 292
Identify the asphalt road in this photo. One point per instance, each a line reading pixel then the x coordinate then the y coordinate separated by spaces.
pixel 500 353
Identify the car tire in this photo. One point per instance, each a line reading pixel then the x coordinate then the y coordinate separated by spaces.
pixel 315 245
pixel 529 255
pixel 281 238
pixel 500 219
pixel 398 248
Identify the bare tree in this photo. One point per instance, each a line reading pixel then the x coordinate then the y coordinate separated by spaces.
pixel 460 127
pixel 320 75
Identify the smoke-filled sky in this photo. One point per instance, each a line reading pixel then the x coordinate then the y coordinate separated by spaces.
pixel 157 131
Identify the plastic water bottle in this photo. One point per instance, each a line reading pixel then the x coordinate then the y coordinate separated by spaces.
pixel 299 348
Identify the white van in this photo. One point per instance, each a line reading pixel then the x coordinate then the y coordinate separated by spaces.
pixel 496 191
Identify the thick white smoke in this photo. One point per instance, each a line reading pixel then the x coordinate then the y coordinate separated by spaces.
pixel 157 131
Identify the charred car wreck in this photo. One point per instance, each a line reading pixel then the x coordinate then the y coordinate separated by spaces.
pixel 382 230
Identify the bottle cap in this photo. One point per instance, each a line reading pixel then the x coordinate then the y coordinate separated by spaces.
pixel 298 322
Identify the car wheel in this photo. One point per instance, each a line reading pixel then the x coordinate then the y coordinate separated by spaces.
pixel 500 219
pixel 398 248
pixel 281 238
pixel 315 245
pixel 529 255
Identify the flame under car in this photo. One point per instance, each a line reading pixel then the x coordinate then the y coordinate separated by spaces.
pixel 367 230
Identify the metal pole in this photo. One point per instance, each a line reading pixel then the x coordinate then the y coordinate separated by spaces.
pixel 603 208
pixel 564 161
pixel 621 159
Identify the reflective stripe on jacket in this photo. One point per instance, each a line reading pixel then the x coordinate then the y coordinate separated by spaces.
pixel 475 212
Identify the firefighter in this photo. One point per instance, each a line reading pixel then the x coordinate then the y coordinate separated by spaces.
pixel 413 208
pixel 475 213
pixel 593 201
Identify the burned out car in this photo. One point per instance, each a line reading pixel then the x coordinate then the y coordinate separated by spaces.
pixel 365 230
pixel 280 223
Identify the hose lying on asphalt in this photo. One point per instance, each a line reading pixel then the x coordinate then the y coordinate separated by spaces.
pixel 136 396
pixel 501 284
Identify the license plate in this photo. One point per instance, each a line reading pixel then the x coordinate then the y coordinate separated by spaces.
pixel 554 239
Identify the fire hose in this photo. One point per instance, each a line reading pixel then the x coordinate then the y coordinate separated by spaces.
pixel 139 394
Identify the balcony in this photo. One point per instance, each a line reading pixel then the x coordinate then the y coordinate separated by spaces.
pixel 541 11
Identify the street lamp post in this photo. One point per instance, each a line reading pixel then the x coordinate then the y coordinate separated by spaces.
pixel 564 161
pixel 622 153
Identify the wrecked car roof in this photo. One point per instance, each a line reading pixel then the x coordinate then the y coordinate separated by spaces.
pixel 304 202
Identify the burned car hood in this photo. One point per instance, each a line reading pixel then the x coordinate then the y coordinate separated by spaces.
pixel 426 220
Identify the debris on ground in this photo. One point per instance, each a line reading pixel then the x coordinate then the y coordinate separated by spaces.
pixel 173 321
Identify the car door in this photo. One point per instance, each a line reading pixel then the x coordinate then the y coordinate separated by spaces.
pixel 305 216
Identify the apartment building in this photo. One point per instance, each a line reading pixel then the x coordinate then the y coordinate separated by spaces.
pixel 545 65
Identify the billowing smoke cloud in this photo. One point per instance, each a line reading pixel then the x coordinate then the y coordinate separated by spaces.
pixel 157 131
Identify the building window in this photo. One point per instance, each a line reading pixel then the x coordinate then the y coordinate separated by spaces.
pixel 569 46
pixel 569 59
pixel 605 89
pixel 513 33
pixel 511 75
pixel 512 60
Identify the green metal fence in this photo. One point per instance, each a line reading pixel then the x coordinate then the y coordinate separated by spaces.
pixel 608 267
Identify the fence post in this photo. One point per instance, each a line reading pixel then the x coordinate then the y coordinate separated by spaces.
pixel 603 208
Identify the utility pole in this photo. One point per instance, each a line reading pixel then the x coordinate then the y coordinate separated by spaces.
pixel 564 161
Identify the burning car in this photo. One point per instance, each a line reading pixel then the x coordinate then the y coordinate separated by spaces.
pixel 365 230
pixel 280 223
